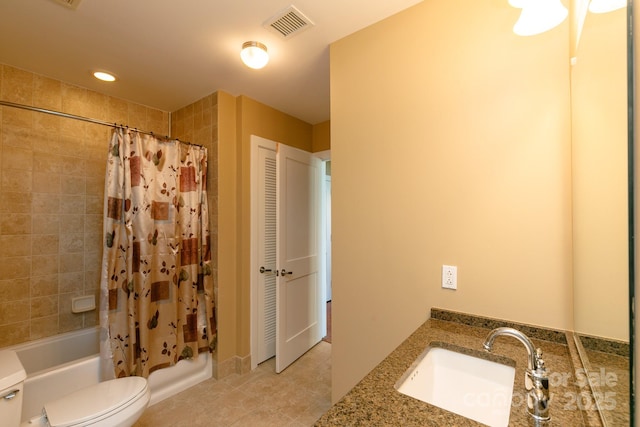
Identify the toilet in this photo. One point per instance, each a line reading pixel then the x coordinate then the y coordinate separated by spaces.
pixel 113 403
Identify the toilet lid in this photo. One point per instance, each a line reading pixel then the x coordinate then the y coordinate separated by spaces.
pixel 94 401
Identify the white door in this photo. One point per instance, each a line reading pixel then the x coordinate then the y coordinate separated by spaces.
pixel 299 294
pixel 264 274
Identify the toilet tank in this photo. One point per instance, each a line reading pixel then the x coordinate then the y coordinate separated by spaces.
pixel 12 377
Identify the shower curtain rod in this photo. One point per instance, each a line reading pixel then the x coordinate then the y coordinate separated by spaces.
pixel 75 117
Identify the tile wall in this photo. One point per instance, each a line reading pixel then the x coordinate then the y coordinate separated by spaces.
pixel 51 195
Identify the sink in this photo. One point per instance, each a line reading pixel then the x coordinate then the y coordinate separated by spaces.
pixel 462 381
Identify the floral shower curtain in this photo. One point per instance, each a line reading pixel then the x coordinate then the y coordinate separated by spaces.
pixel 157 292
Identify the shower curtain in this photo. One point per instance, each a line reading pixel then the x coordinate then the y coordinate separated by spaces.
pixel 157 292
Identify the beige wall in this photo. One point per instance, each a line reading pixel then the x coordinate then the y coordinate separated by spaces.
pixel 600 246
pixel 450 141
pixel 321 137
pixel 51 196
pixel 228 220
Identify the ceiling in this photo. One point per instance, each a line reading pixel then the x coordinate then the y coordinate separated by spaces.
pixel 168 54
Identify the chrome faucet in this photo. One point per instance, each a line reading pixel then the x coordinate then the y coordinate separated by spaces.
pixel 536 381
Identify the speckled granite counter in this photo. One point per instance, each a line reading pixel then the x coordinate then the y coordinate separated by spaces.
pixel 375 402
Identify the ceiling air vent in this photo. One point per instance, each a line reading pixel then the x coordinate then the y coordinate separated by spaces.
pixel 289 22
pixel 71 4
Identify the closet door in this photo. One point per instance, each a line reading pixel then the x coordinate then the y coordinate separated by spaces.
pixel 266 250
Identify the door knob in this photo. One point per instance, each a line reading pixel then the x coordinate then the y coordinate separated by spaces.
pixel 285 272
pixel 265 270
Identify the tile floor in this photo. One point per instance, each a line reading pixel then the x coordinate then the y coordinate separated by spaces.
pixel 296 397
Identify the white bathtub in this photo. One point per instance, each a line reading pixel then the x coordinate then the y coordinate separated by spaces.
pixel 67 362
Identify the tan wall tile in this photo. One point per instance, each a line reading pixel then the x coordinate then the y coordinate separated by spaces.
pixel 70 263
pixel 17 181
pixel 15 268
pixel 16 157
pixel 73 166
pixel 97 169
pixel 17 85
pixel 71 282
pixel 46 162
pixel 93 243
pixel 117 111
pixel 45 244
pixel 74 100
pixel 50 124
pixel 14 311
pixel 72 142
pixel 12 202
pixel 69 321
pixel 46 183
pixel 72 204
pixel 72 184
pixel 18 119
pixel 44 306
pixel 45 224
pixel 71 242
pixel 15 245
pixel 15 224
pixel 43 327
pixel 46 142
pixel 72 223
pixel 44 285
pixel 94 205
pixel 42 265
pixel 93 222
pixel 45 203
pixel 47 93
pixel 14 289
pixel 14 333
pixel 92 280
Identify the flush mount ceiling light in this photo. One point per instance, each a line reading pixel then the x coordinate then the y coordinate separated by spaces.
pixel 254 55
pixel 538 16
pixel 104 76
pixel 604 6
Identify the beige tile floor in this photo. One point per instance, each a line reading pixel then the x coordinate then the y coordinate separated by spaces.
pixel 296 397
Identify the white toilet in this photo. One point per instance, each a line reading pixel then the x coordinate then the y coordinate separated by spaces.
pixel 114 403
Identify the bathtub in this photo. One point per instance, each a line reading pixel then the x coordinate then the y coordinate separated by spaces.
pixel 67 362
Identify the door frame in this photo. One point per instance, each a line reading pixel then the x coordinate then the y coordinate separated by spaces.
pixel 256 142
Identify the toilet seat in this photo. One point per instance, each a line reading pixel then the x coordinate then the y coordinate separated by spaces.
pixel 92 404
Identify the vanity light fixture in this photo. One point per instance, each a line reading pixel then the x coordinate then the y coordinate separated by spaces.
pixel 254 54
pixel 104 76
pixel 604 6
pixel 538 16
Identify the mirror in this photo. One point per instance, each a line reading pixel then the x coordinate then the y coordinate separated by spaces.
pixel 601 232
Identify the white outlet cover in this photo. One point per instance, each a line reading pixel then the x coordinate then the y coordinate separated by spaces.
pixel 450 277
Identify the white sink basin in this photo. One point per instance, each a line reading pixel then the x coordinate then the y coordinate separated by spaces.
pixel 468 385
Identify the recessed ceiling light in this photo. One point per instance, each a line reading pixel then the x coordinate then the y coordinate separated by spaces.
pixel 104 76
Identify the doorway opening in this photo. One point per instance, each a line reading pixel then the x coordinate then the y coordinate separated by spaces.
pixel 290 251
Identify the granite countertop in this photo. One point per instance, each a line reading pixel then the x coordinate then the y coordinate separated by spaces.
pixel 375 402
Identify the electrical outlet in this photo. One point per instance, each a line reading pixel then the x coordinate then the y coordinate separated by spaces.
pixel 450 277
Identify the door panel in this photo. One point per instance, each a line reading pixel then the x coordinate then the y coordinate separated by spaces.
pixel 298 294
pixel 266 253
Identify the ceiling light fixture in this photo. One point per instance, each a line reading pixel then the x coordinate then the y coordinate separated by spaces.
pixel 604 6
pixel 254 55
pixel 104 76
pixel 538 16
